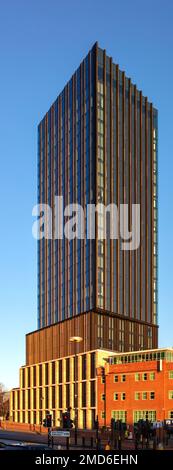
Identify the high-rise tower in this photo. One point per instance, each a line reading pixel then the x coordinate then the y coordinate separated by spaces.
pixel 98 144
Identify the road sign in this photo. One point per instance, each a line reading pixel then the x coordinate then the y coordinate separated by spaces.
pixel 60 433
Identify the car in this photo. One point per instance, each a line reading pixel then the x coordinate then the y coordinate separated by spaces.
pixel 24 446
pixel 9 447
pixel 2 445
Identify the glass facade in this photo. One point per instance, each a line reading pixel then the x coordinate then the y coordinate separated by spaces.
pixel 66 154
pixel 98 144
pixel 126 174
pixel 143 357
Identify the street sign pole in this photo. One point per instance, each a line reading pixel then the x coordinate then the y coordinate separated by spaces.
pixel 67 443
pixel 48 436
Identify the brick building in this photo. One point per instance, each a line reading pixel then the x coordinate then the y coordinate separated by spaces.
pixel 136 385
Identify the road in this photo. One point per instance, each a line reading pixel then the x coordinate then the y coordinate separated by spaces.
pixel 42 439
pixel 23 436
pixel 31 437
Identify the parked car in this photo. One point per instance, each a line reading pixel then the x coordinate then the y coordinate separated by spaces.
pixel 24 446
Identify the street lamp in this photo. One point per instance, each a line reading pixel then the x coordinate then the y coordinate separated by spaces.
pixel 75 340
pixel 105 389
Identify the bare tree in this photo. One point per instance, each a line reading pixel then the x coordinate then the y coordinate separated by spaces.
pixel 4 402
pixel 1 398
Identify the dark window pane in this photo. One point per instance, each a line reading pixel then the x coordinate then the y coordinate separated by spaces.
pixel 83 393
pixel 84 367
pixel 53 372
pixel 67 396
pixel 29 400
pixel 34 398
pixel 53 397
pixel 68 370
pixel 34 376
pixel 46 373
pixel 40 375
pixel 29 384
pixel 60 371
pixel 92 365
pixel 60 396
pixel 92 392
pixel 46 398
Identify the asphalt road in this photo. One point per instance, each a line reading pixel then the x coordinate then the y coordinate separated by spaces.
pixel 42 439
pixel 23 436
pixel 30 437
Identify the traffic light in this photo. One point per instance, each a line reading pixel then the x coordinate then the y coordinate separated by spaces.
pixel 67 423
pixel 66 420
pixel 49 420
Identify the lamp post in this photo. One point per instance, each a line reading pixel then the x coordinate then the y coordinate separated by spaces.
pixel 41 411
pixel 105 397
pixel 105 391
pixel 75 340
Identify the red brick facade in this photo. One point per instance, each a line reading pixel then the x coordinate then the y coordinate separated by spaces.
pixel 131 395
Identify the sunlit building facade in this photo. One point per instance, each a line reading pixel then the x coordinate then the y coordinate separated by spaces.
pixel 136 385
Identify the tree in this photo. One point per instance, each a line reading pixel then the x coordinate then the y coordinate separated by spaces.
pixel 4 402
pixel 1 398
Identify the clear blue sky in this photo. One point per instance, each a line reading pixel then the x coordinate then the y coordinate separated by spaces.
pixel 41 44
